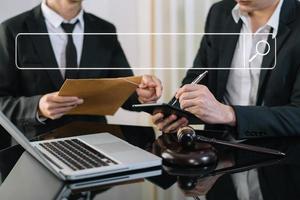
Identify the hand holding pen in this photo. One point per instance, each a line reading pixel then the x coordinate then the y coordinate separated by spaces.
pixel 201 102
pixel 172 123
pixel 195 81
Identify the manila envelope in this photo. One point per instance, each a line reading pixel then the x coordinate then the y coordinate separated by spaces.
pixel 101 96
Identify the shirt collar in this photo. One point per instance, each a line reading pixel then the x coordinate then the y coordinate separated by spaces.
pixel 273 21
pixel 55 19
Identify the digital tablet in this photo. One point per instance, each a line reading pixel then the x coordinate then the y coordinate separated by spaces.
pixel 167 110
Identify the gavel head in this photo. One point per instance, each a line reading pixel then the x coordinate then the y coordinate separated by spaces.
pixel 191 153
pixel 186 136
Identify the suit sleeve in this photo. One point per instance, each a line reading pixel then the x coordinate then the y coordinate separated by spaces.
pixel 262 121
pixel 19 109
pixel 119 60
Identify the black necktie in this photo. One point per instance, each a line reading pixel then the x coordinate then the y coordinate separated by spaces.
pixel 71 53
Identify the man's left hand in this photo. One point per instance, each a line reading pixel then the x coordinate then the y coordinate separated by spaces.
pixel 198 100
pixel 150 89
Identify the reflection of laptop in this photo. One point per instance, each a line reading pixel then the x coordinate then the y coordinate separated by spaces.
pixel 86 156
pixel 45 185
pixel 117 179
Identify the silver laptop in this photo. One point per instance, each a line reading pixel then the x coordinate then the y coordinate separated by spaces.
pixel 87 156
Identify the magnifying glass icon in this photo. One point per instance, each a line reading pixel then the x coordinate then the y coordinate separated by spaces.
pixel 262 44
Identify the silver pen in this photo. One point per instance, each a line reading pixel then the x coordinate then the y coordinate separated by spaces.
pixel 195 81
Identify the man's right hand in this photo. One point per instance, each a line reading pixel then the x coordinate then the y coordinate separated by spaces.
pixel 53 106
pixel 169 124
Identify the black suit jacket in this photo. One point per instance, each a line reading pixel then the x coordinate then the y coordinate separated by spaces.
pixel 20 90
pixel 279 90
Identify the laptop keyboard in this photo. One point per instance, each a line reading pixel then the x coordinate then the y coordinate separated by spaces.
pixel 77 155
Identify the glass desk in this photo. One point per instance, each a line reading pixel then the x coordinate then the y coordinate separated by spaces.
pixel 25 178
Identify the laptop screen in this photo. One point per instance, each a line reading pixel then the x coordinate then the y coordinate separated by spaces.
pixel 24 142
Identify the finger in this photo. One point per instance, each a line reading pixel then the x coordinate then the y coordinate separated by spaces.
pixel 54 105
pixel 148 100
pixel 158 87
pixel 143 82
pixel 147 81
pixel 157 118
pixel 146 93
pixel 61 111
pixel 185 121
pixel 176 125
pixel 185 104
pixel 158 90
pixel 188 95
pixel 65 99
pixel 60 99
pixel 166 122
pixel 189 88
pixel 185 88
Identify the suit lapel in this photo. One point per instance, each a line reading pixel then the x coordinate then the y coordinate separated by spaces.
pixel 269 60
pixel 43 46
pixel 227 49
pixel 287 15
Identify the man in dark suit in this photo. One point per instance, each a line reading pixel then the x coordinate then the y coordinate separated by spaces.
pixel 253 103
pixel 29 97
pixel 276 111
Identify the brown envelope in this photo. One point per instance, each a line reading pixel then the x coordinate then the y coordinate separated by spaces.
pixel 101 96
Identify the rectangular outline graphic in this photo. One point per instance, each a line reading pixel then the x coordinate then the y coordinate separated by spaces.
pixel 142 68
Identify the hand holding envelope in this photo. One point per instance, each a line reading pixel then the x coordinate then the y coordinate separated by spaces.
pixel 101 96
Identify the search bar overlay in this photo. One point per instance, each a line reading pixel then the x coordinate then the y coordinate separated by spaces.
pixel 146 51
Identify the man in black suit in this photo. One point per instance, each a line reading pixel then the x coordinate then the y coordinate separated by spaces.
pixel 253 103
pixel 29 97
pixel 276 110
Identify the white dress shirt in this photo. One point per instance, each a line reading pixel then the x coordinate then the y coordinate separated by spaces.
pixel 59 42
pixel 242 85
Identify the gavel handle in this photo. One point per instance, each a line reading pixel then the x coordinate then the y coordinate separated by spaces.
pixel 201 138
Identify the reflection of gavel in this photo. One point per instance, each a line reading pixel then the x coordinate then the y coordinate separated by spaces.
pixel 187 184
pixel 194 187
